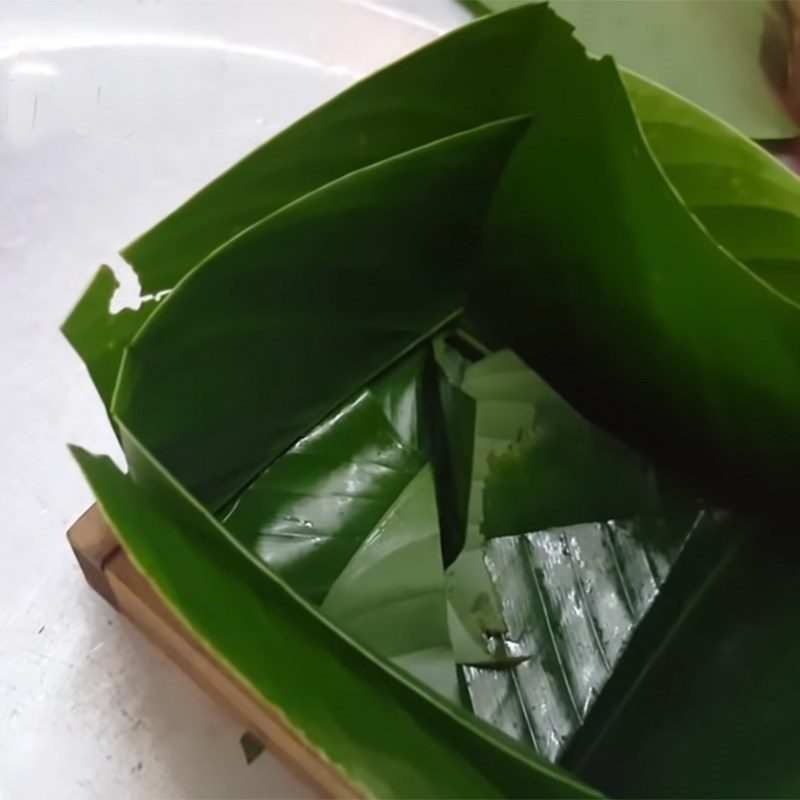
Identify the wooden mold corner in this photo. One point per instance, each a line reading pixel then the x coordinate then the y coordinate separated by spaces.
pixel 109 571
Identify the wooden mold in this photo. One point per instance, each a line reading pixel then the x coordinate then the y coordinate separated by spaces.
pixel 112 575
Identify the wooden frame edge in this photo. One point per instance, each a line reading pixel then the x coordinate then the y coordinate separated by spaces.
pixel 109 571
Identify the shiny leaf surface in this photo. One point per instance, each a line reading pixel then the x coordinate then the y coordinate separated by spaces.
pixel 536 463
pixel 704 702
pixel 568 599
pixel 308 513
pixel 571 598
pixel 387 734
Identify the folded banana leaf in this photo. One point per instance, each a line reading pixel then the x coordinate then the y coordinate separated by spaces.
pixel 460 418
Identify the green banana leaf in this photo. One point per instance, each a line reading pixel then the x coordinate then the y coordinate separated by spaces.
pixel 624 329
pixel 712 709
pixel 440 192
pixel 348 516
pixel 309 512
pixel 391 595
pixel 743 196
pixel 524 428
pixel 535 464
pixel 564 602
pixel 380 728
pixel 100 337
pixel 496 35
pixel 709 51
pixel 573 598
pixel 461 96
pixel 270 357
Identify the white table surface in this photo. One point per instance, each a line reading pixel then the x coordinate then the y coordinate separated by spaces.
pixel 111 113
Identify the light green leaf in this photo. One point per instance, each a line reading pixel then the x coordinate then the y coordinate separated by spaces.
pixel 436 668
pixel 743 196
pixel 391 595
pixel 709 51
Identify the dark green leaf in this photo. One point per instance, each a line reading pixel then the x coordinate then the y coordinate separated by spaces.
pixel 431 94
pixel 100 337
pixel 447 423
pixel 705 701
pixel 309 511
pixel 382 730
pixel 583 172
pixel 292 317
pixel 641 321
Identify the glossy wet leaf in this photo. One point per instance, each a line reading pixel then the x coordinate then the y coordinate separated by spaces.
pixel 536 463
pixel 709 51
pixel 386 734
pixel 348 517
pixel 572 598
pixel 565 601
pixel 309 512
pixel 705 701
pixel 391 594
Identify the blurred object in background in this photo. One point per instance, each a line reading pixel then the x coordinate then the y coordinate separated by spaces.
pixel 738 59
pixel 780 52
pixel 780 58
